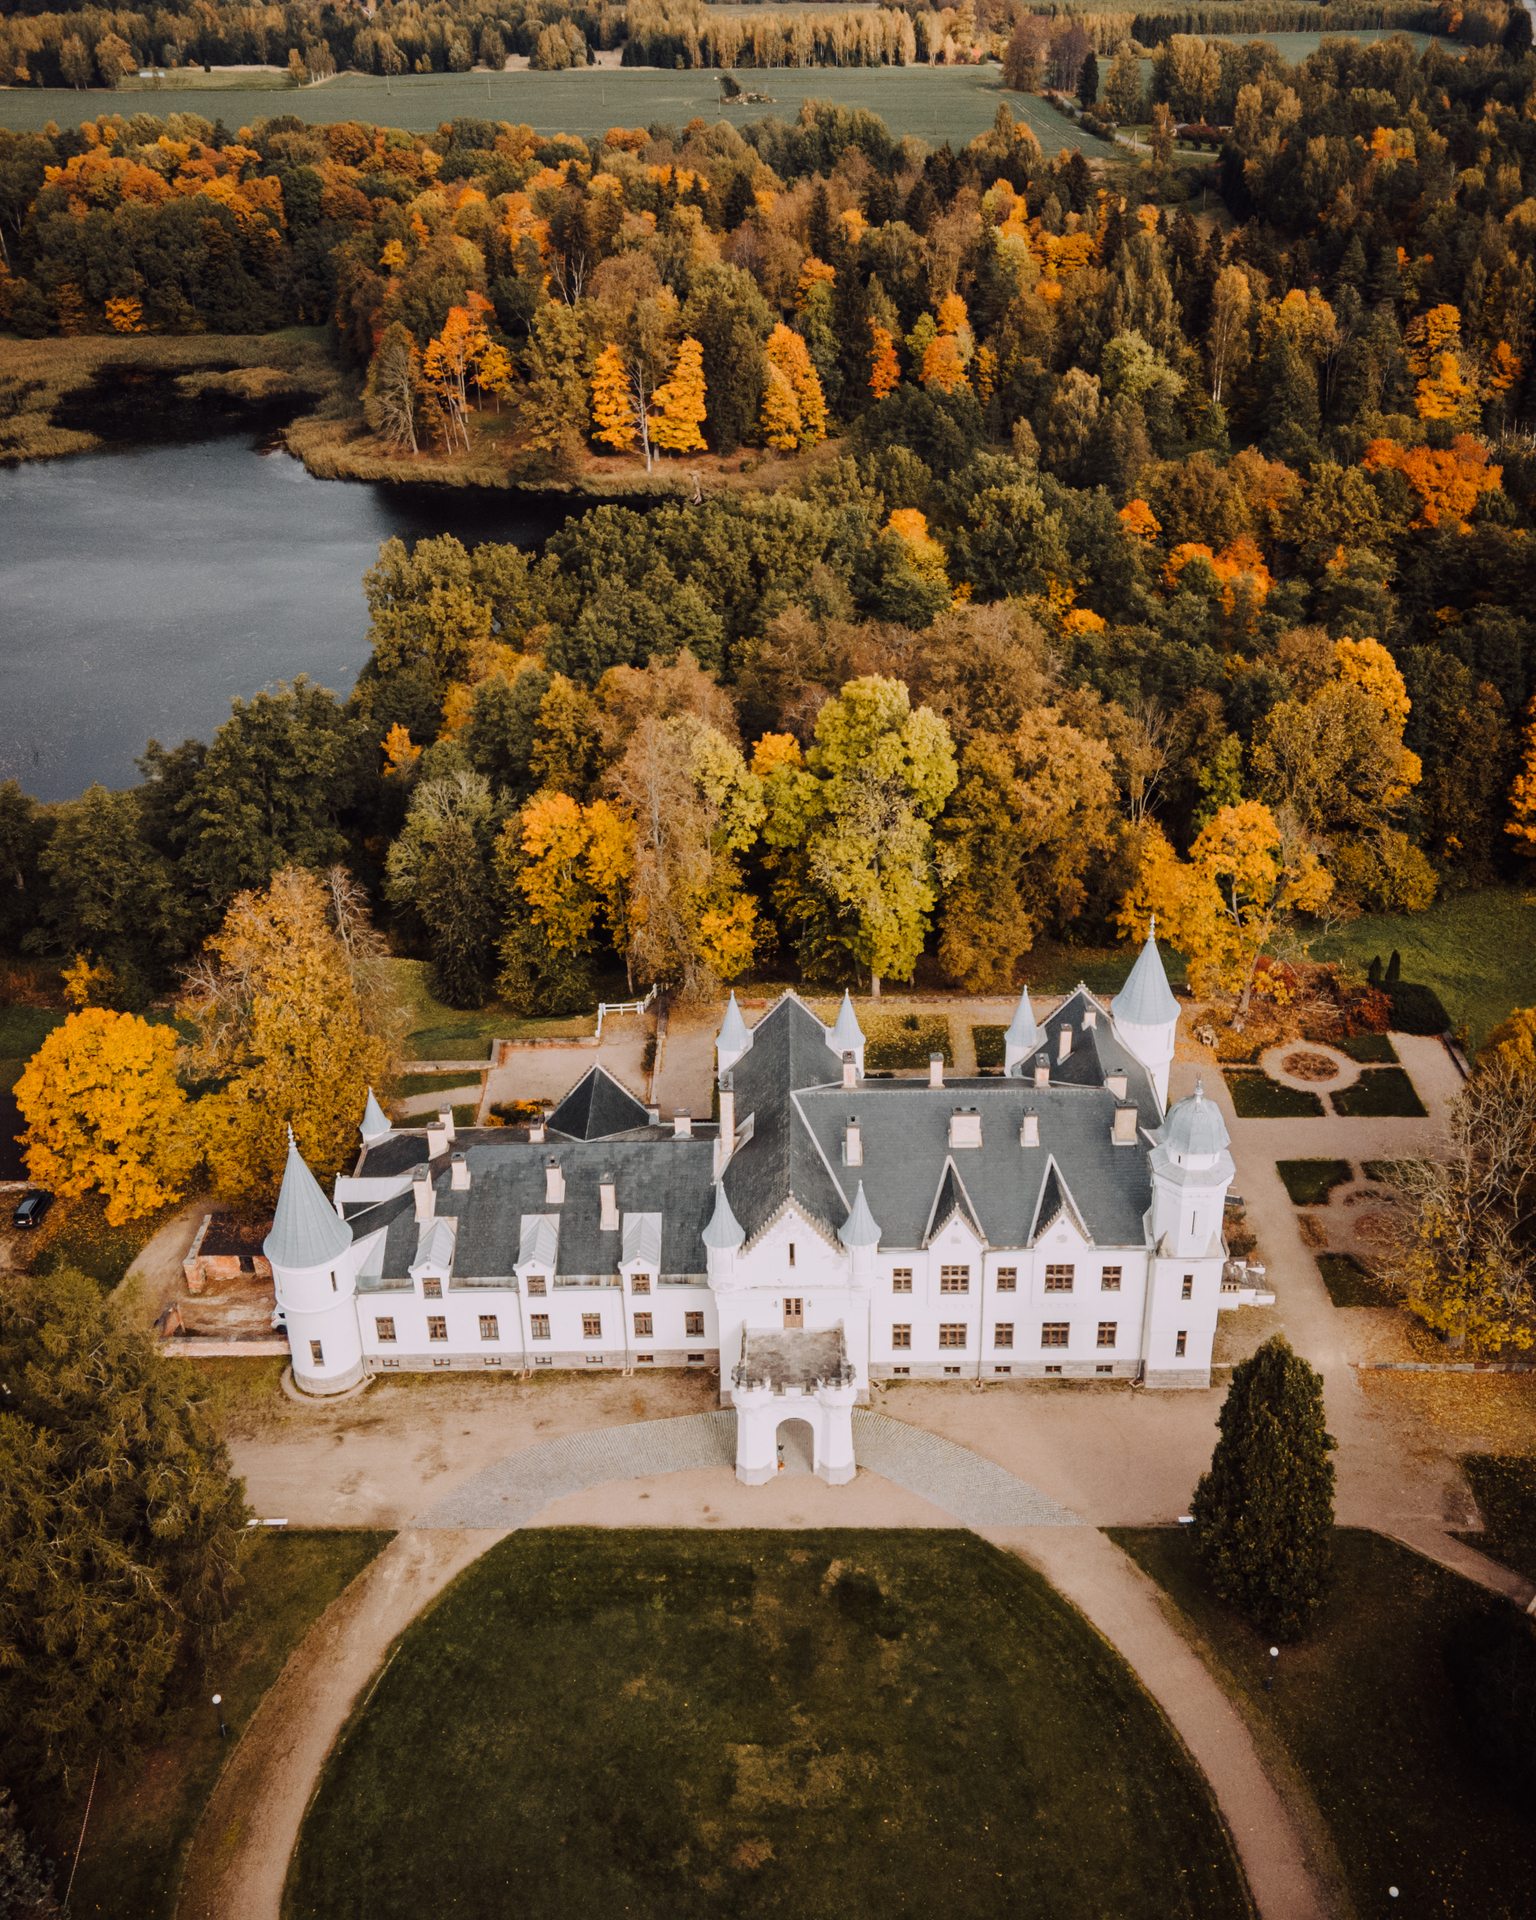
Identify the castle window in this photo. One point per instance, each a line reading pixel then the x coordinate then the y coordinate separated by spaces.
pixel 539 1322
pixel 384 1329
pixel 437 1327
pixel 642 1326
pixel 951 1369
pixel 1007 1279
pixel 1055 1333
pixel 645 1359
pixel 1187 1291
pixel 1109 1280
pixel 592 1326
pixel 640 1283
pixel 954 1279
pixel 1059 1279
pixel 901 1334
pixel 952 1333
pixel 1002 1334
pixel 431 1289
pixel 1178 1345
pixel 902 1373
pixel 333 1282
pixel 901 1280
pixel 791 1253
pixel 693 1326
pixel 317 1353
pixel 489 1330
pixel 1002 1369
pixel 1109 1369
pixel 1053 1369
pixel 536 1285
pixel 1107 1330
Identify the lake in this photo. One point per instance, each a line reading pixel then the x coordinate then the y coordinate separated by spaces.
pixel 140 590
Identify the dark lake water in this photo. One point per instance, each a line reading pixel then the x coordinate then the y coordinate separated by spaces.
pixel 140 590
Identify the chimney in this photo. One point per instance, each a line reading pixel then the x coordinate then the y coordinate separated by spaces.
pixel 536 1132
pixel 437 1139
pixel 608 1193
pixel 554 1184
pixel 653 1116
pixel 1090 1019
pixel 1063 1042
pixel 727 1117
pixel 682 1124
pixel 445 1120
pixel 935 1069
pixel 853 1144
pixel 850 1071
pixel 422 1190
pixel 460 1170
pixel 1042 1070
pixel 1116 1084
pixel 1125 1127
pixel 1029 1133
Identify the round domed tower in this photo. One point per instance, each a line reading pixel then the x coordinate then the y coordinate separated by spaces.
pixel 310 1248
pixel 1191 1171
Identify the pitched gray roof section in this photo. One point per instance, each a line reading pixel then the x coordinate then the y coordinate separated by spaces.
pixel 434 1248
pixel 306 1229
pixel 1146 999
pixel 782 1161
pixel 598 1107
pixel 952 1199
pixel 539 1240
pixel 642 1240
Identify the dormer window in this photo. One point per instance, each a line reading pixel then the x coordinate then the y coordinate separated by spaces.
pixel 965 1127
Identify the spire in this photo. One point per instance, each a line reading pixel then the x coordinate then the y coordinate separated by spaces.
pixel 847 1036
pixel 733 1037
pixel 859 1229
pixel 375 1127
pixel 305 1229
pixel 1024 1035
pixel 724 1233
pixel 1146 999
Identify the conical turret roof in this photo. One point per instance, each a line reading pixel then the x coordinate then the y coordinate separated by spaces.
pixel 859 1229
pixel 847 1036
pixel 1195 1125
pixel 724 1232
pixel 306 1231
pixel 1024 1032
pixel 1146 999
pixel 375 1126
pixel 733 1036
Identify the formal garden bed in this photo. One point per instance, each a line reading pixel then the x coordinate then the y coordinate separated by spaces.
pixel 684 1724
pixel 990 1045
pixel 1504 1486
pixel 904 1040
pixel 1374 1713
pixel 1257 1097
pixel 1369 1049
pixel 1350 1282
pixel 1311 1183
pixel 1381 1093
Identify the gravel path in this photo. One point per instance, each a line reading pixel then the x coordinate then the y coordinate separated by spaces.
pixel 510 1493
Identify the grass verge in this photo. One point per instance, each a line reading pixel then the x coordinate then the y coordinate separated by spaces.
pixel 1385 1093
pixel 812 1723
pixel 1257 1097
pixel 436 1032
pixel 1311 1182
pixel 75 1233
pixel 1366 1712
pixel 1504 1486
pixel 1348 1283
pixel 142 1826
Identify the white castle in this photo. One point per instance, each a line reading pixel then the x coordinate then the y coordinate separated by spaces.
pixel 829 1229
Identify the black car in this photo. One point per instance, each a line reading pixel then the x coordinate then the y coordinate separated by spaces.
pixel 32 1209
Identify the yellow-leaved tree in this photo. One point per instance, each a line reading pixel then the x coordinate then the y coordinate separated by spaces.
pixel 297 1018
pixel 104 1112
pixel 1521 826
pixel 565 868
pixel 794 410
pixel 680 404
pixel 1248 872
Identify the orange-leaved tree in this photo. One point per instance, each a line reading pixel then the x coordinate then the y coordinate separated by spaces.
pixel 1447 480
pixel 104 1112
pixel 680 403
pixel 1521 826
pixel 794 411
pixel 884 367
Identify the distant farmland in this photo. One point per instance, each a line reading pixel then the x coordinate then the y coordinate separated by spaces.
pixel 937 103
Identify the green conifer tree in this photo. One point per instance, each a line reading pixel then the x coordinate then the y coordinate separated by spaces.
pixel 456 904
pixel 1088 79
pixel 1264 1512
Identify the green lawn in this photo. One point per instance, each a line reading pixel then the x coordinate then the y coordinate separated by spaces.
pixel 1477 950
pixel 75 1233
pixel 1504 1486
pixel 463 1116
pixel 1311 1182
pixel 140 1828
pixel 1348 1283
pixel 905 1040
pixel 685 1726
pixel 1370 1049
pixel 1257 1097
pixel 1379 1094
pixel 436 1032
pixel 1366 1713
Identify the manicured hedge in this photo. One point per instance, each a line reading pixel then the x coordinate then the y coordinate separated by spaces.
pixel 905 1039
pixel 1310 1183
pixel 1384 1094
pixel 990 1048
pixel 1369 1049
pixel 1257 1097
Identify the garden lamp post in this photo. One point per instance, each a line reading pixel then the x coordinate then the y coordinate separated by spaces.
pixel 1269 1678
pixel 218 1707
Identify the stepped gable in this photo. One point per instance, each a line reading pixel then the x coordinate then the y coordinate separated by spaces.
pixel 781 1162
pixel 598 1107
pixel 666 1177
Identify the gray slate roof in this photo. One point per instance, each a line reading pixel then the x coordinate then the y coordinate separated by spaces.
pixel 596 1107
pixel 306 1231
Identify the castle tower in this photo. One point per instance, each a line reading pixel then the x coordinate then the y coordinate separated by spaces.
pixel 310 1249
pixel 375 1126
pixel 848 1036
pixel 733 1039
pixel 1145 1016
pixel 1023 1036
pixel 1191 1171
pixel 861 1236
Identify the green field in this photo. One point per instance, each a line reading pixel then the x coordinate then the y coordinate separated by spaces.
pixel 936 103
pixel 684 1725
pixel 142 1825
pixel 1477 950
pixel 1365 1711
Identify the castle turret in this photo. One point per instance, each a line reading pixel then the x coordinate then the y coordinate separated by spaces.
pixel 861 1236
pixel 847 1036
pixel 733 1039
pixel 1023 1036
pixel 310 1249
pixel 723 1238
pixel 1145 1016
pixel 1191 1171
pixel 375 1126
